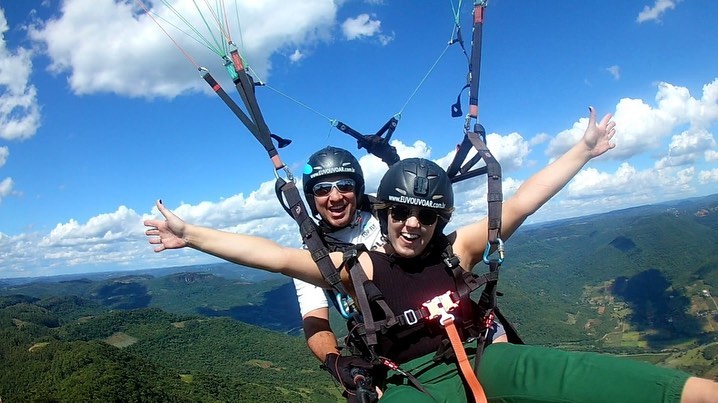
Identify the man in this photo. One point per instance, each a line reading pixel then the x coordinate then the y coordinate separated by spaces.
pixel 333 184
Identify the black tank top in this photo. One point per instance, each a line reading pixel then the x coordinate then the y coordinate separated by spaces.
pixel 406 284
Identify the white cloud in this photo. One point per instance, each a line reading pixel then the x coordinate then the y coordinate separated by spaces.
pixel 654 13
pixel 539 139
pixel 4 153
pixel 5 187
pixel 510 150
pixel 386 39
pixel 687 147
pixel 296 56
pixel 711 155
pixel 708 176
pixel 615 71
pixel 104 228
pixel 642 128
pixel 110 47
pixel 19 111
pixel 591 182
pixel 361 26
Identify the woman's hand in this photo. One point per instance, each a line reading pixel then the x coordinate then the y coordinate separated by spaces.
pixel 167 233
pixel 597 137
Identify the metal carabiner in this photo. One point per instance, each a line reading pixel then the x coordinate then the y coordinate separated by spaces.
pixel 499 248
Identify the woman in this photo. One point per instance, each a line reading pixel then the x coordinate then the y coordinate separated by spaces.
pixel 416 203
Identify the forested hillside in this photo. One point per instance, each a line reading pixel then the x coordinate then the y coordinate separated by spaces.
pixel 69 350
pixel 630 281
pixel 641 282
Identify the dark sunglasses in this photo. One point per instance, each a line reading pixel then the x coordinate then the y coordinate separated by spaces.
pixel 424 215
pixel 343 186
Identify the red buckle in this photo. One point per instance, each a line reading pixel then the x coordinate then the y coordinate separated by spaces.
pixel 489 321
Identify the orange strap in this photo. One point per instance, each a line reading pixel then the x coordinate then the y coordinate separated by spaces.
pixel 464 365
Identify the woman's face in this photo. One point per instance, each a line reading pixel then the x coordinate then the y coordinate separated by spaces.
pixel 410 228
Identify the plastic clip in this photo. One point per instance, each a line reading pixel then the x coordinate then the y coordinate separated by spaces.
pixel 440 306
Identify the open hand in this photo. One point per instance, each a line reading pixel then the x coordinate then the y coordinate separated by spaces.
pixel 598 136
pixel 167 233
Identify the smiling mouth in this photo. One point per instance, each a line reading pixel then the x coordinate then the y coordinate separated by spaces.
pixel 410 237
pixel 337 209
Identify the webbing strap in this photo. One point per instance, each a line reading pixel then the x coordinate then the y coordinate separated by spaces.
pixel 356 272
pixel 375 144
pixel 494 194
pixel 475 68
pixel 245 87
pixel 463 361
pixel 310 235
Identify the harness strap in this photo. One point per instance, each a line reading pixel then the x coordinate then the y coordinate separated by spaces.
pixel 439 307
pixel 375 143
pixel 464 364
pixel 359 280
pixel 310 233
pixel 466 283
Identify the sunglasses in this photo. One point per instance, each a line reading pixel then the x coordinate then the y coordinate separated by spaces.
pixel 402 213
pixel 343 186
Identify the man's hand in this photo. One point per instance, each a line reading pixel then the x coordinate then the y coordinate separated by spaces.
pixel 340 366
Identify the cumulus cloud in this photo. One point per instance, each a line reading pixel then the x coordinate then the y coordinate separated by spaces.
pixel 687 147
pixel 593 190
pixel 591 182
pixel 615 71
pixel 360 26
pixel 642 128
pixel 104 228
pixel 539 139
pixel 138 60
pixel 4 153
pixel 705 177
pixel 5 187
pixel 654 13
pixel 19 110
pixel 510 150
pixel 296 56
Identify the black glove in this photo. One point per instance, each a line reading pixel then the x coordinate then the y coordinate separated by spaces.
pixel 340 366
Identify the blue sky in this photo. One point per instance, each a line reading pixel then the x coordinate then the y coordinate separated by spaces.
pixel 100 114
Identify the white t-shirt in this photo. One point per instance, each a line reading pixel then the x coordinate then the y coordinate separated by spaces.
pixel 365 229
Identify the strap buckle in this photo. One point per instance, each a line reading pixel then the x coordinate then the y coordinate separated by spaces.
pixel 440 306
pixel 410 317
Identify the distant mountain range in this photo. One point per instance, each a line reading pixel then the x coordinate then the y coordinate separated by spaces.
pixel 639 280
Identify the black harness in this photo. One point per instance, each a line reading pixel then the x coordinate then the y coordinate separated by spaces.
pixel 476 317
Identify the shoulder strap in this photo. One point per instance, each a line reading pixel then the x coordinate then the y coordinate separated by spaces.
pixel 310 234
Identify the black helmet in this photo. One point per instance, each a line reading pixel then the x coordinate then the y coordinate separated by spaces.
pixel 331 161
pixel 416 182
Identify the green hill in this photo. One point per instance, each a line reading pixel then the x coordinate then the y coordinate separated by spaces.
pixel 148 355
pixel 639 282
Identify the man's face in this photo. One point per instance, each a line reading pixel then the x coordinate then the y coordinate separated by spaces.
pixel 337 208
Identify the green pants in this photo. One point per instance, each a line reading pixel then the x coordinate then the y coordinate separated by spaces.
pixel 520 373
